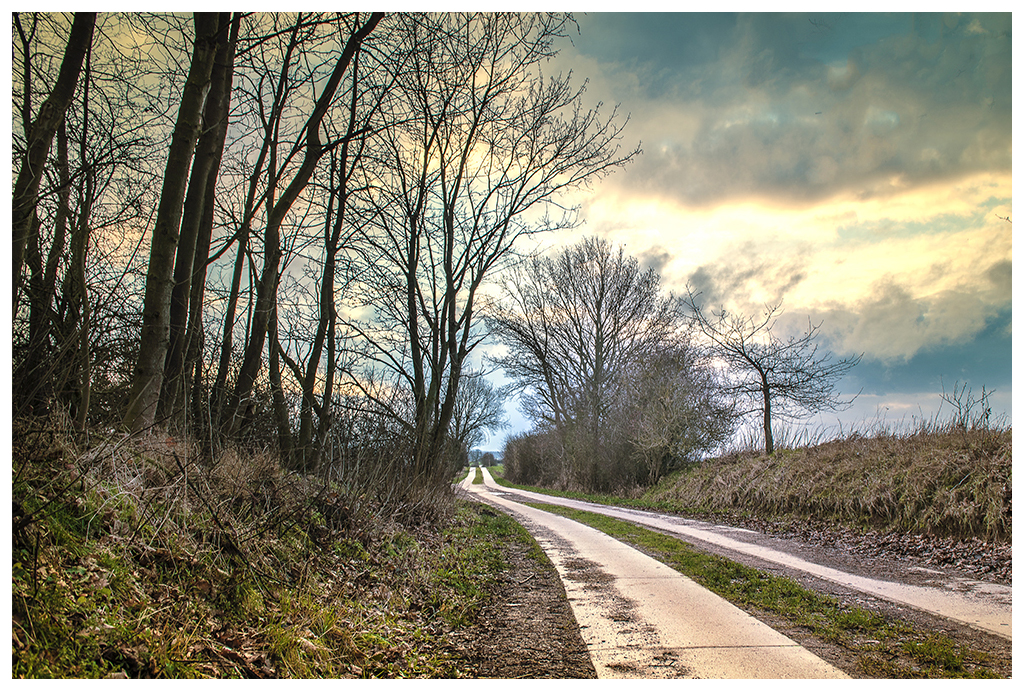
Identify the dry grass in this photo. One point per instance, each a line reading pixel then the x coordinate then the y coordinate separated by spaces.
pixel 951 480
pixel 138 556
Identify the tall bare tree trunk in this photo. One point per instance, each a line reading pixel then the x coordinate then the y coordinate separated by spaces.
pixel 34 382
pixel 281 416
pixel 189 260
pixel 40 136
pixel 306 452
pixel 219 393
pixel 195 336
pixel 149 369
pixel 79 250
pixel 766 412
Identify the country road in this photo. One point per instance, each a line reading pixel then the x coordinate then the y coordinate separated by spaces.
pixel 984 606
pixel 642 619
pixel 633 628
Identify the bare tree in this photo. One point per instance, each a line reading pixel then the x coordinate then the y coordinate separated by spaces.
pixel 40 135
pixel 148 377
pixel 580 328
pixel 360 26
pixel 781 378
pixel 673 410
pixel 479 407
pixel 340 226
pixel 269 125
pixel 576 323
pixel 97 183
pixel 76 280
pixel 480 148
pixel 196 225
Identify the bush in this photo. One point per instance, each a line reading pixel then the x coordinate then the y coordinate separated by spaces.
pixel 533 458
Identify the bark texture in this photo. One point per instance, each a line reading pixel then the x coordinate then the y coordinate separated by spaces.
pixel 149 369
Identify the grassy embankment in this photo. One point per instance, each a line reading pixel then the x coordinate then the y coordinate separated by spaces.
pixel 946 480
pixel 130 559
pixel 951 480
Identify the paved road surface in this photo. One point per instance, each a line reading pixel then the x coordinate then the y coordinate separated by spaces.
pixel 642 619
pixel 984 606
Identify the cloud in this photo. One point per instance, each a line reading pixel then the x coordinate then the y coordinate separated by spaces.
pixel 893 326
pixel 785 110
pixel 889 300
pixel 656 258
pixel 751 280
pixel 856 166
pixel 928 239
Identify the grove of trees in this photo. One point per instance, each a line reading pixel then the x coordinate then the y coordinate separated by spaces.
pixel 625 383
pixel 607 372
pixel 276 229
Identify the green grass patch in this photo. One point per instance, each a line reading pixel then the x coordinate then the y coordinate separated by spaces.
pixel 468 562
pixel 886 648
pixel 120 569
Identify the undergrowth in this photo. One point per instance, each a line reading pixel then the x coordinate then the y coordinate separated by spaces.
pixel 134 557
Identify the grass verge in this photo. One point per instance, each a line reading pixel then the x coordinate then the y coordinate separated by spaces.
pixel 142 573
pixel 885 648
pixel 949 480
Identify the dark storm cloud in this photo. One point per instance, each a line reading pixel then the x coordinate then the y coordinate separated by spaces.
pixel 798 108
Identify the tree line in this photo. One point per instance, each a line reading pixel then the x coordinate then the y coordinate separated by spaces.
pixel 286 230
pixel 625 383
pixel 618 393
pixel 276 229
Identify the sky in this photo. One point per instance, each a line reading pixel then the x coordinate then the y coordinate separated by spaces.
pixel 855 167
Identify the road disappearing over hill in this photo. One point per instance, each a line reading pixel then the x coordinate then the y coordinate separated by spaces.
pixel 642 619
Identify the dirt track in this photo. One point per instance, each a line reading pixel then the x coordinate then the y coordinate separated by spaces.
pixel 979 604
pixel 875 563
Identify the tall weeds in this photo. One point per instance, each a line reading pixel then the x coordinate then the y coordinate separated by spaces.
pixel 950 476
pixel 155 557
pixel 235 507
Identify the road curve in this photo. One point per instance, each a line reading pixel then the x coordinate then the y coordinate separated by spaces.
pixel 981 605
pixel 642 619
